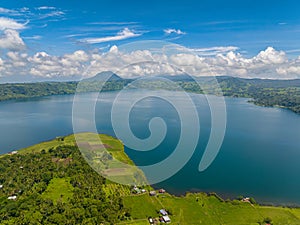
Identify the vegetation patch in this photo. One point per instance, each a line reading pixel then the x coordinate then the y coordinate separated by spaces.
pixel 142 206
pixel 59 189
pixel 200 208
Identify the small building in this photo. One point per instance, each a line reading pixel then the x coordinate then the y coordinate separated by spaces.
pixel 163 212
pixel 143 191
pixel 162 191
pixel 13 152
pixel 14 197
pixel 151 221
pixel 247 199
pixel 136 190
pixel 1 186
pixel 166 219
pixel 152 193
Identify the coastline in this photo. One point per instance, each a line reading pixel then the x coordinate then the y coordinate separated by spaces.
pixel 140 205
pixel 73 91
pixel 69 140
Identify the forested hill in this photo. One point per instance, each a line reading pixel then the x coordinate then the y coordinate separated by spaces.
pixel 51 183
pixel 279 93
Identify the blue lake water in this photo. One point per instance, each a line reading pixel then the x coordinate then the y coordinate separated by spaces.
pixel 259 157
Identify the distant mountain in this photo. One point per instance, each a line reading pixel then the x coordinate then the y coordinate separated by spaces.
pixel 181 77
pixel 114 77
pixel 105 76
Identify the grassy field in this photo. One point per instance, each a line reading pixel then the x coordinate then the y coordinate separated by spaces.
pixel 58 189
pixel 203 209
pixel 68 140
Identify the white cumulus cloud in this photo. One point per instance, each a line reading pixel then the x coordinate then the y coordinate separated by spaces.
pixel 271 56
pixel 11 40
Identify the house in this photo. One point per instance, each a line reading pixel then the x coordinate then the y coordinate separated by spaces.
pixel 151 221
pixel 247 199
pixel 162 191
pixel 1 186
pixel 166 219
pixel 143 190
pixel 14 197
pixel 136 190
pixel 152 193
pixel 163 212
pixel 13 152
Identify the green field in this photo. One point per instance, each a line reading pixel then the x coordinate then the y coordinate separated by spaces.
pixel 58 189
pixel 203 209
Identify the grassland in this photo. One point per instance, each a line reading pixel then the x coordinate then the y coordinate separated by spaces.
pixel 201 208
pixel 58 189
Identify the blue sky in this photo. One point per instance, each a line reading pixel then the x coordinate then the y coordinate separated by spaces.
pixel 251 25
pixel 63 27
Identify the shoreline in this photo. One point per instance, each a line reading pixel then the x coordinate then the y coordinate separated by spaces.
pixel 229 197
pixel 251 100
pixel 138 202
pixel 222 196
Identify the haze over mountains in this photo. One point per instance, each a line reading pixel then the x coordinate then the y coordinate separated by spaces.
pixel 111 76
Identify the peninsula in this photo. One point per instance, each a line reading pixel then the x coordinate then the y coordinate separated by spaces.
pixel 51 183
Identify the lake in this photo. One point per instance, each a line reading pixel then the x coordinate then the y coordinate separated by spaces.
pixel 259 156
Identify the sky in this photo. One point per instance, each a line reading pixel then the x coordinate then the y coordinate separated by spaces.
pixel 67 40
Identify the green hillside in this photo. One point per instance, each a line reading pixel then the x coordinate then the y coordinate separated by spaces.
pixel 53 184
pixel 271 93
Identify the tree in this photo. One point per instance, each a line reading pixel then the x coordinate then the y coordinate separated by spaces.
pixel 252 201
pixel 267 220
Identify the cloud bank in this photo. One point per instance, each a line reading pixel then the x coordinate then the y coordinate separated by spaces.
pixel 269 63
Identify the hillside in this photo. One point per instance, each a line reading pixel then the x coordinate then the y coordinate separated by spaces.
pixel 104 76
pixel 271 93
pixel 51 183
